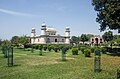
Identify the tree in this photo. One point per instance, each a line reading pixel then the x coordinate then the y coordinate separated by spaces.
pixel 75 39
pixel 116 39
pixel 108 36
pixel 6 43
pixel 0 42
pixel 23 40
pixel 83 38
pixel 108 13
pixel 15 40
pixel 89 36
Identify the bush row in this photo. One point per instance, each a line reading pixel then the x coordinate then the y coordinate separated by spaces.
pixel 49 47
pixel 104 50
pixel 83 48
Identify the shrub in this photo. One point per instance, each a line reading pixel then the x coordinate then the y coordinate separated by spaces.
pixel 27 46
pixel 70 47
pixel 56 49
pixel 66 48
pixel 40 47
pixel 61 46
pixel 92 49
pixel 116 51
pixel 45 48
pixel 49 48
pixel 87 52
pixel 75 51
pixel 104 50
pixel 109 49
pixel 82 49
pixel 36 46
pixel 52 47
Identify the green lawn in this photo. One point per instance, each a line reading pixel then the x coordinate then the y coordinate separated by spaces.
pixel 29 65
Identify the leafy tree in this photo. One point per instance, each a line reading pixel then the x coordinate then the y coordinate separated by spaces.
pixel 89 36
pixel 15 40
pixel 6 43
pixel 23 40
pixel 108 13
pixel 83 38
pixel 0 42
pixel 108 36
pixel 75 39
pixel 116 39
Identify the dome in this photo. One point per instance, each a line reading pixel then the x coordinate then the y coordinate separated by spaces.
pixel 43 24
pixel 33 28
pixel 51 30
pixel 67 27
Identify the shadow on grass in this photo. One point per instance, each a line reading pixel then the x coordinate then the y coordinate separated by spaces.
pixel 42 55
pixel 15 65
pixel 60 60
pixel 36 54
pixel 88 56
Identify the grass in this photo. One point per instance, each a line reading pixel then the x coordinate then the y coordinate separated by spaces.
pixel 29 65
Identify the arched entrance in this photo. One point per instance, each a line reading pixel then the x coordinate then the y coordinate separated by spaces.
pixel 96 41
pixel 92 41
pixel 48 40
pixel 101 41
pixel 55 40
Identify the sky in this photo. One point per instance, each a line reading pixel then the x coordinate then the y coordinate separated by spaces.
pixel 18 17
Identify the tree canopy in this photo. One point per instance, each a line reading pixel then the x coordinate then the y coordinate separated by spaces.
pixel 0 41
pixel 89 35
pixel 23 40
pixel 108 13
pixel 5 43
pixel 17 40
pixel 84 38
pixel 75 39
pixel 108 36
pixel 116 39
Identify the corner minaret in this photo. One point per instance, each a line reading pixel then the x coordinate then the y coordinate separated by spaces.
pixel 43 33
pixel 43 29
pixel 67 35
pixel 33 32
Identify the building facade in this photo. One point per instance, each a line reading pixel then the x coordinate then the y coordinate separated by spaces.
pixel 96 40
pixel 49 36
